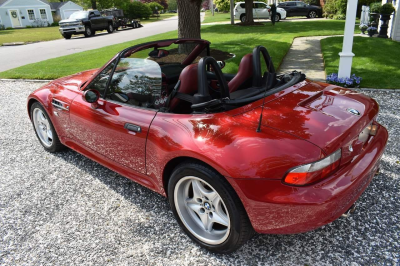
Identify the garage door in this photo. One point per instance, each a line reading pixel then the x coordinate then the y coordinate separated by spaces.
pixel 68 13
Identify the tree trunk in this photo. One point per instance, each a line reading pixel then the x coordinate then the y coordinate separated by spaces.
pixel 188 22
pixel 94 6
pixel 249 11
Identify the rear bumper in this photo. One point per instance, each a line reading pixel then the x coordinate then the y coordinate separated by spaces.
pixel 276 208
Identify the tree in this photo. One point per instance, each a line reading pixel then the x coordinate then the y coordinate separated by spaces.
pixel 249 12
pixel 222 5
pixel 188 22
pixel 172 5
pixel 163 3
pixel 155 7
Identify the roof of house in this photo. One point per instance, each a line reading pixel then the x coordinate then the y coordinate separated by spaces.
pixel 3 1
pixel 56 5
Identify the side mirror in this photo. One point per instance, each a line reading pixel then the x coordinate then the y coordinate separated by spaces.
pixel 91 96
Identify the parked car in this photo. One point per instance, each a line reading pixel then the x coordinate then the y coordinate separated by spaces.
pixel 119 20
pixel 299 8
pixel 278 154
pixel 260 11
pixel 85 22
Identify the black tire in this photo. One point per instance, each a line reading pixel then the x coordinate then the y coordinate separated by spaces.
pixel 312 14
pixel 241 229
pixel 67 36
pixel 277 17
pixel 243 18
pixel 110 28
pixel 88 31
pixel 56 143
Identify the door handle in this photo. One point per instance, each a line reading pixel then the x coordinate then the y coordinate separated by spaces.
pixel 132 127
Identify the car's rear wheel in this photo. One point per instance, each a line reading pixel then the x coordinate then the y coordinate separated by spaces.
pixel 277 18
pixel 312 14
pixel 110 28
pixel 67 36
pixel 44 129
pixel 243 18
pixel 88 32
pixel 208 209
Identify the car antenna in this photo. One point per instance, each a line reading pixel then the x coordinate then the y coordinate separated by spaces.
pixel 265 92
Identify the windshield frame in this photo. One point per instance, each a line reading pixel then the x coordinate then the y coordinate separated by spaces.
pixel 79 12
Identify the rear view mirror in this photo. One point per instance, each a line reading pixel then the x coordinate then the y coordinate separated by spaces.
pixel 221 64
pixel 91 96
pixel 158 53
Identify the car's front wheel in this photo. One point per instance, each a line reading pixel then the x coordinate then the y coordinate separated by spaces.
pixel 44 129
pixel 67 36
pixel 110 28
pixel 208 209
pixel 88 31
pixel 312 14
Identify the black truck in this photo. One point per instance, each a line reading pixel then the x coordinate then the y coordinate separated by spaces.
pixel 86 22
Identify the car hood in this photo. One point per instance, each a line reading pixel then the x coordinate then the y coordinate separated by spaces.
pixel 319 113
pixel 69 21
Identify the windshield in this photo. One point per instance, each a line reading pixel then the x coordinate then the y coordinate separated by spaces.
pixel 79 15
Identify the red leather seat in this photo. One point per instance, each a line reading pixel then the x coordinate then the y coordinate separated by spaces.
pixel 244 75
pixel 189 85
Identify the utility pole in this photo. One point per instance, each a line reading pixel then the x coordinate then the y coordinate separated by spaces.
pixel 232 18
pixel 212 7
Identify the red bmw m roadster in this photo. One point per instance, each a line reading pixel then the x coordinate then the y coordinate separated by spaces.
pixel 234 153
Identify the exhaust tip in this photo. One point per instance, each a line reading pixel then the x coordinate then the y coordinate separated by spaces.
pixel 350 211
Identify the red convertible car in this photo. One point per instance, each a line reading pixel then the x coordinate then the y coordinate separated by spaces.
pixel 234 154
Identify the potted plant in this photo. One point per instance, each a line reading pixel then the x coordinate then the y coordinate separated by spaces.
pixel 386 11
pixel 374 10
pixel 363 28
pixel 371 31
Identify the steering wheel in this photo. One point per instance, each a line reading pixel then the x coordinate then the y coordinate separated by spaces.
pixel 203 94
pixel 257 75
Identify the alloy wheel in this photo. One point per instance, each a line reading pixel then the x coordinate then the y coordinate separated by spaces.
pixel 313 14
pixel 42 127
pixel 202 210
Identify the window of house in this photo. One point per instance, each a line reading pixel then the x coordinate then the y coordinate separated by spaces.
pixel 43 14
pixel 31 14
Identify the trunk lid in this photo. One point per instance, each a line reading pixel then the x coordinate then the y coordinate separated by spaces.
pixel 322 114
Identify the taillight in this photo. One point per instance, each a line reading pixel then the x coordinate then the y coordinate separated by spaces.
pixel 310 173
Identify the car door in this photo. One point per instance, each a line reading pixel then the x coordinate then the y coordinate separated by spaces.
pixel 115 129
pixel 301 9
pixel 290 9
pixel 101 21
pixel 262 11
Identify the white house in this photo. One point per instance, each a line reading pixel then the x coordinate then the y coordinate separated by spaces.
pixel 22 13
pixel 394 23
pixel 64 9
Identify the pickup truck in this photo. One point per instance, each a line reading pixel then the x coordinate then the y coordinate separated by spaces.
pixel 85 22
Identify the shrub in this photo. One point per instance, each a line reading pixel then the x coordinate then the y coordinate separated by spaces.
pixel 339 17
pixel 387 9
pixel 312 2
pixel 55 24
pixel 137 10
pixel 335 7
pixel 2 27
pixel 155 7
pixel 375 7
pixel 222 5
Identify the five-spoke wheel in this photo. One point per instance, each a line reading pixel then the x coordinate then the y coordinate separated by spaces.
pixel 207 208
pixel 202 210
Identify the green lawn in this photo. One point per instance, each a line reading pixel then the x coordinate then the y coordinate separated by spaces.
pixel 29 35
pixel 376 60
pixel 218 17
pixel 49 33
pixel 239 40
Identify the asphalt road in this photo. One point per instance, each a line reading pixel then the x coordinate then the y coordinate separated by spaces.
pixel 15 56
pixel 64 209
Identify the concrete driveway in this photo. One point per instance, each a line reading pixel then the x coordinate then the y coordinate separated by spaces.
pixel 15 56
